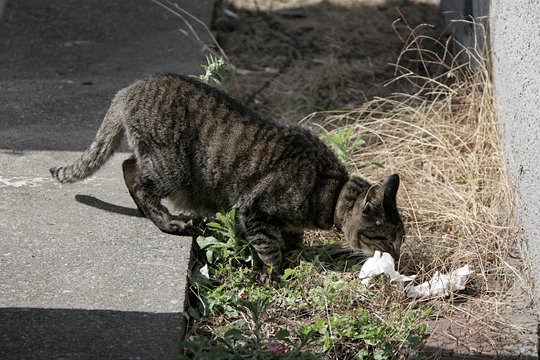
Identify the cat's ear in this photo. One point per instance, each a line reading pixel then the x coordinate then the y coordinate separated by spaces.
pixel 374 198
pixel 391 185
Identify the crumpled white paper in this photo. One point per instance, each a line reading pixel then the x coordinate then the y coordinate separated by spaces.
pixel 381 264
pixel 439 285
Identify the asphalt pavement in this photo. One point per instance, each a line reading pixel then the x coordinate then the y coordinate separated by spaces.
pixel 82 274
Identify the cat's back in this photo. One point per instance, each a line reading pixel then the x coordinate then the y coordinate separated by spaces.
pixel 163 99
pixel 218 146
pixel 174 109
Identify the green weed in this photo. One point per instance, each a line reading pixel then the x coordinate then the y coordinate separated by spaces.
pixel 318 102
pixel 230 247
pixel 344 147
pixel 249 320
pixel 362 335
pixel 215 70
pixel 232 342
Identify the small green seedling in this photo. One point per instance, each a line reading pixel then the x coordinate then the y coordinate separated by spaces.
pixel 340 141
pixel 215 71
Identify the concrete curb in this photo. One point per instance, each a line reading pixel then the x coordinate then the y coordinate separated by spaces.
pixel 84 276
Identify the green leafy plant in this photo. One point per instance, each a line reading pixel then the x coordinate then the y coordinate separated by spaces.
pixel 340 140
pixel 318 102
pixel 230 247
pixel 224 267
pixel 215 70
pixel 249 316
pixel 373 337
pixel 232 342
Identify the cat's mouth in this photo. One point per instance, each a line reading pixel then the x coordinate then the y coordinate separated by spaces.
pixel 367 252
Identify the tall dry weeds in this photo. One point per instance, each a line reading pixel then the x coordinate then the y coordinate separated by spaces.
pixel 442 137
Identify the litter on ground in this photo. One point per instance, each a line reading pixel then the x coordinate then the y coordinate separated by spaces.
pixel 440 284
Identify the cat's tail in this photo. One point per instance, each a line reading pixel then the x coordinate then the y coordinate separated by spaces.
pixel 107 140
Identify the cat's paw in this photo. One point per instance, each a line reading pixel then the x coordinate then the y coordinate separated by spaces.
pixel 270 277
pixel 175 227
pixel 181 227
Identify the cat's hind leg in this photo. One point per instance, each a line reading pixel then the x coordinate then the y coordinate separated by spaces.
pixel 129 168
pixel 147 196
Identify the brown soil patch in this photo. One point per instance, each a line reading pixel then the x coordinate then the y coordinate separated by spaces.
pixel 305 55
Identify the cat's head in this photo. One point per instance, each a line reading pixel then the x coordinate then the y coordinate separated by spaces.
pixel 370 221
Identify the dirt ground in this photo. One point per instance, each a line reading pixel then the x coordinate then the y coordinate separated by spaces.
pixel 296 57
pixel 300 56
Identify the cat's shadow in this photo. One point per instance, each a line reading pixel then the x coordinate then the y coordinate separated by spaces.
pixel 102 205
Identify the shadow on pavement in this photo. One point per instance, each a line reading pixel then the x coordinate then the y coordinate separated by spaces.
pixel 62 61
pixel 32 333
pixel 102 205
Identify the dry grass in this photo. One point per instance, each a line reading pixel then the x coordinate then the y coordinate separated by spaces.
pixel 443 140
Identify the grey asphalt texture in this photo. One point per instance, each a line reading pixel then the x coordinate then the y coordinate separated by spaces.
pixel 82 274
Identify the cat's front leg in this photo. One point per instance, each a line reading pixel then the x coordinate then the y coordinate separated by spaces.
pixel 265 237
pixel 293 238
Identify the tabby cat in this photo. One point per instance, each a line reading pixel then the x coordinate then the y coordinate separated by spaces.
pixel 202 149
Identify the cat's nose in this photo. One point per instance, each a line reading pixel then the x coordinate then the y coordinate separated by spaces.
pixel 393 251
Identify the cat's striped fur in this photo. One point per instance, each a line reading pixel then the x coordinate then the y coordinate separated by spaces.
pixel 206 152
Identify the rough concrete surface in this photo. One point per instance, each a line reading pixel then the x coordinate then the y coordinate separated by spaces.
pixel 516 49
pixel 61 61
pixel 2 4
pixel 515 52
pixel 82 274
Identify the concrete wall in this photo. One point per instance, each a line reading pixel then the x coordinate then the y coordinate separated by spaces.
pixel 515 41
pixel 514 38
